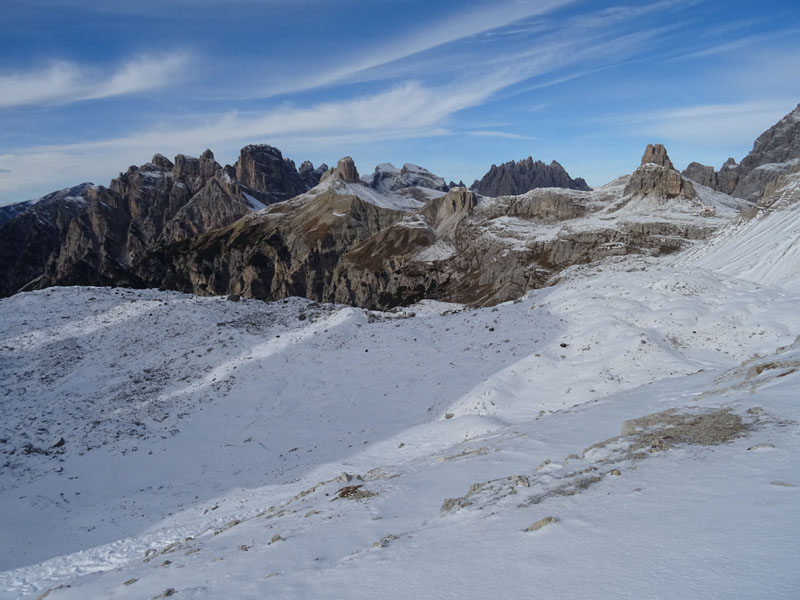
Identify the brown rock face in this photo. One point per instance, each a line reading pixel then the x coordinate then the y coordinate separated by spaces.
pixel 346 170
pixel 458 201
pixel 91 235
pixel 267 175
pixel 728 177
pixel 657 178
pixel 657 155
pixel 702 174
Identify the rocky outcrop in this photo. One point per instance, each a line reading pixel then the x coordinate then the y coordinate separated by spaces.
pixel 656 154
pixel 267 175
pixel 458 202
pixel 31 237
pixel 727 177
pixel 346 170
pixel 291 250
pixel 311 176
pixel 774 153
pixel 656 178
pixel 513 178
pixel 702 174
pixel 388 178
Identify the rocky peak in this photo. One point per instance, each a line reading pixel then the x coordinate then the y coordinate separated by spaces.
pixel 267 175
pixel 723 180
pixel 657 178
pixel 450 208
pixel 311 176
pixel 346 170
pixel 657 154
pixel 388 178
pixel 458 199
pixel 702 174
pixel 514 178
pixel 774 153
pixel 161 162
pixel 195 171
pixel 727 177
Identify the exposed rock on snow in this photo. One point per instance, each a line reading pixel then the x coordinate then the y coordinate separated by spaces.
pixel 657 155
pixel 388 178
pixel 346 170
pixel 702 174
pixel 656 178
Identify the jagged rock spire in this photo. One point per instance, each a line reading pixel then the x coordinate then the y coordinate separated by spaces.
pixel 657 154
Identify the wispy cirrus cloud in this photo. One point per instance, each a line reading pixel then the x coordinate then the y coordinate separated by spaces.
pixel 469 23
pixel 405 111
pixel 737 44
pixel 62 82
pixel 731 123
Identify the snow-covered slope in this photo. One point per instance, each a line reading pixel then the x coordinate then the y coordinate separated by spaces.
pixel 764 248
pixel 296 450
pixel 388 178
pixel 406 199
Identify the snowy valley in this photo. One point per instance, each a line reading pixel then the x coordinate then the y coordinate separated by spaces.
pixel 617 420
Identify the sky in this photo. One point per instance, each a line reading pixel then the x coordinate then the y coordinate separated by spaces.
pixel 88 88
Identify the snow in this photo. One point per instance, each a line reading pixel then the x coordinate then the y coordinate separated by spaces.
pixel 206 440
pixel 387 178
pixel 254 202
pixel 779 167
pixel 440 250
pixel 390 201
pixel 764 249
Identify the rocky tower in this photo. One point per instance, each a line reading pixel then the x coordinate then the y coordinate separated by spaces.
pixel 656 154
pixel 267 175
pixel 346 170
pixel 657 178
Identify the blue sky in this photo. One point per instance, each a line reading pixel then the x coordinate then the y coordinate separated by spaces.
pixel 88 88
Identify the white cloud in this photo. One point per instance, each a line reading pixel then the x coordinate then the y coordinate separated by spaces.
pixel 63 82
pixel 710 123
pixel 407 111
pixel 466 24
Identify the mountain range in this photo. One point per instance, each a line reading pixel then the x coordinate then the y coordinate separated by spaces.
pixel 264 229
